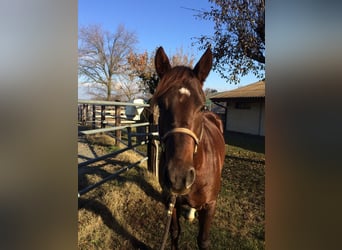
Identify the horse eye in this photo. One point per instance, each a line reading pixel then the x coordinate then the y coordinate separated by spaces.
pixel 204 108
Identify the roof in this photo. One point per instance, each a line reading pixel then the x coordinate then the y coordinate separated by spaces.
pixel 253 90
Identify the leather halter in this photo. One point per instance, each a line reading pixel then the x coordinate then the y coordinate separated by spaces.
pixel 187 132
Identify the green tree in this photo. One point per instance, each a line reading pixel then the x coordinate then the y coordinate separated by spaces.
pixel 238 42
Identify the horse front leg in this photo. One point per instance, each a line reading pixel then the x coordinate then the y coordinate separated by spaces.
pixel 175 227
pixel 205 217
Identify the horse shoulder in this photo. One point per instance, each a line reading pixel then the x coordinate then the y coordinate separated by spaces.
pixel 215 132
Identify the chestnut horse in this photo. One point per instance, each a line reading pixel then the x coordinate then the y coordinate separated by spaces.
pixel 193 147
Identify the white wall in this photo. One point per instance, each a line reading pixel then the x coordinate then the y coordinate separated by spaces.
pixel 250 121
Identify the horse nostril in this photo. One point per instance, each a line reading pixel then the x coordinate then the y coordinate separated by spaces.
pixel 190 178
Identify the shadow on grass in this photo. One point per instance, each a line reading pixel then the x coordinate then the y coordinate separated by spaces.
pixel 110 221
pixel 138 178
pixel 141 182
pixel 249 142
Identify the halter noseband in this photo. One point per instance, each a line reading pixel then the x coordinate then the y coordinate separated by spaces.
pixel 184 131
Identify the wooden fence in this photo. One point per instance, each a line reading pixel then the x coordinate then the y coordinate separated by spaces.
pixel 113 118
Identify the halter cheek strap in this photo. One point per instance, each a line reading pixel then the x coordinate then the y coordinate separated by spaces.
pixel 184 131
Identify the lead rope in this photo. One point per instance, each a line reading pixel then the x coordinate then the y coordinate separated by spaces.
pixel 168 223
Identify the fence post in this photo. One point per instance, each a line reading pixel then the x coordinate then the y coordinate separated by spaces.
pixel 152 146
pixel 103 115
pixel 94 117
pixel 78 113
pixel 129 137
pixel 87 114
pixel 117 123
pixel 84 114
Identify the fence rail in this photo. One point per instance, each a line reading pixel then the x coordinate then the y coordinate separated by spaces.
pixel 146 134
pixel 110 103
pixel 95 131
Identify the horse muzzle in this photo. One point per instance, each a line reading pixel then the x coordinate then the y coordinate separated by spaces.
pixel 181 181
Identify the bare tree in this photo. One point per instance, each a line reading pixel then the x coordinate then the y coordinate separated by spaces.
pixel 182 58
pixel 209 91
pixel 128 88
pixel 102 58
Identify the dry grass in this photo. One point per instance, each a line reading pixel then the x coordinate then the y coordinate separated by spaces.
pixel 101 139
pixel 116 214
pixel 128 212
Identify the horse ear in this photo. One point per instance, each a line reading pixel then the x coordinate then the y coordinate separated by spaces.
pixel 203 66
pixel 161 62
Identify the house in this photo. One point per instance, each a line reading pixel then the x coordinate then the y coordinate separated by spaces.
pixel 244 108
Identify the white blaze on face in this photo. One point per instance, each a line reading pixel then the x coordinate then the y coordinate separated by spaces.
pixel 184 91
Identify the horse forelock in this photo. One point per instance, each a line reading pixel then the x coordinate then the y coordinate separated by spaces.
pixel 177 78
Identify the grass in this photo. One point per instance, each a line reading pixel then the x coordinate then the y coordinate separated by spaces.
pixel 128 212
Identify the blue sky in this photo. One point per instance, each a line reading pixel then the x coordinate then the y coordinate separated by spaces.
pixel 157 23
